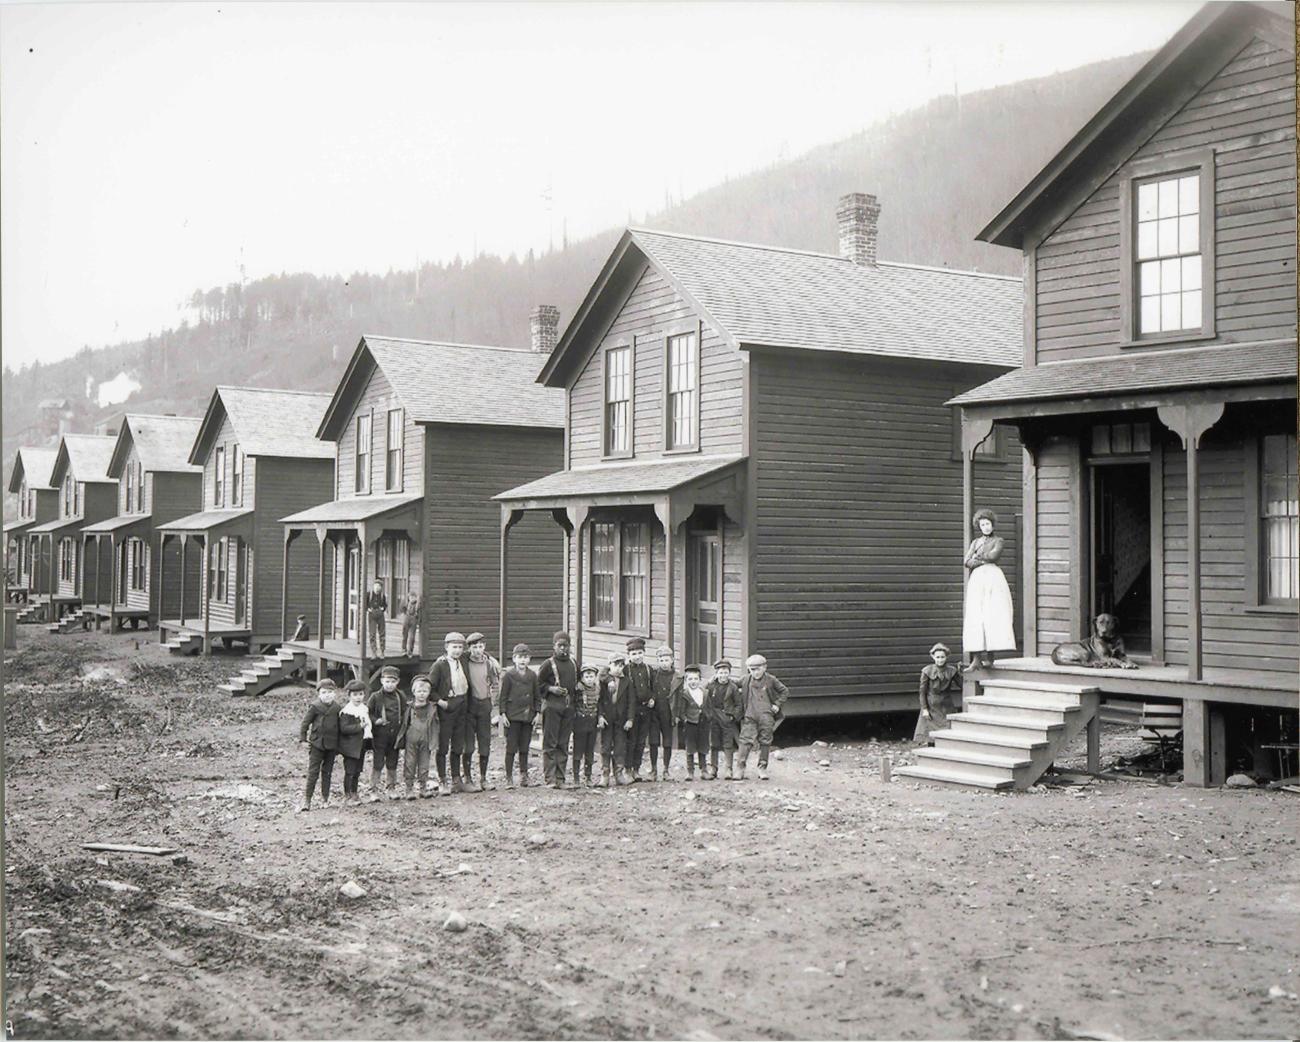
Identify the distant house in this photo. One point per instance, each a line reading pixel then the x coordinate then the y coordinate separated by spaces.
pixel 1158 396
pixel 260 460
pixel 156 484
pixel 425 435
pixel 27 570
pixel 759 457
pixel 86 495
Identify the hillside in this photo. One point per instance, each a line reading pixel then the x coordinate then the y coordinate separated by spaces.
pixel 940 172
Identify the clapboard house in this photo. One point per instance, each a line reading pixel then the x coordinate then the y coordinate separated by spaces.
pixel 86 495
pixel 156 484
pixel 1157 401
pixel 760 459
pixel 28 571
pixel 259 460
pixel 425 434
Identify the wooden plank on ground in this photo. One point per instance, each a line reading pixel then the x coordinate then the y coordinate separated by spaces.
pixel 130 848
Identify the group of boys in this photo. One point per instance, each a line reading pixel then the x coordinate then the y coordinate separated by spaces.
pixel 618 709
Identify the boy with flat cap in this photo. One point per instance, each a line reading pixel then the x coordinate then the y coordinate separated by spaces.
pixel 691 721
pixel 450 682
pixel 518 703
pixel 637 689
pixel 587 721
pixel 666 683
pixel 762 696
pixel 386 706
pixel 723 708
pixel 320 731
pixel 484 683
pixel 558 680
pixel 940 685
pixel 614 712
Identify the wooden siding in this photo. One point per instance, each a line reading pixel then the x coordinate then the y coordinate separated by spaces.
pixel 859 513
pixel 1247 115
pixel 284 487
pixel 132 458
pixel 1231 636
pixel 1056 539
pixel 649 311
pixel 379 396
pixel 227 438
pixel 465 468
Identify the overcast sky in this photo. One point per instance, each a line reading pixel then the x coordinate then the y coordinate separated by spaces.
pixel 150 149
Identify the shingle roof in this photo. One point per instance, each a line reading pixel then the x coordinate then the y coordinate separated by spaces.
pixel 87 454
pixel 57 525
pixel 34 464
pixel 615 478
pixel 453 383
pixel 765 295
pixel 163 443
pixel 205 520
pixel 353 508
pixel 274 422
pixel 13 527
pixel 118 523
pixel 1142 371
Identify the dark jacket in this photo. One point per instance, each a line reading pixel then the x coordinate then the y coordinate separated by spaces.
pixel 352 732
pixel 765 696
pixel 440 678
pixel 320 726
pixel 684 707
pixel 417 724
pixel 636 683
pixel 520 696
pixel 558 673
pixel 376 602
pixel 723 703
pixel 613 700
pixel 939 685
pixel 586 700
pixel 412 607
pixel 386 710
pixel 666 684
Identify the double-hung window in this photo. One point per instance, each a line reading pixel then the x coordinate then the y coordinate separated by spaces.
pixel 365 424
pixel 222 569
pixel 1279 521
pixel 219 478
pixel 137 564
pixel 128 486
pixel 618 401
pixel 393 452
pixel 681 387
pixel 236 477
pixel 620 575
pixel 1168 249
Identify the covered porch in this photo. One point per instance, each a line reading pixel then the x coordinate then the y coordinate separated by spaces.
pixel 18 562
pixel 359 540
pixel 113 607
pixel 692 500
pixel 65 589
pixel 194 596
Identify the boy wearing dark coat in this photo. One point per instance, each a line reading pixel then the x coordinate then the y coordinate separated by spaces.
pixel 558 680
pixel 354 722
pixel 613 732
pixel 386 707
pixel 637 690
pixel 587 722
pixel 691 721
pixel 724 709
pixel 418 736
pixel 449 679
pixel 518 703
pixel 666 683
pixel 320 730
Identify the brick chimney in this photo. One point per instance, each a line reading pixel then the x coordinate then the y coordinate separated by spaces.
pixel 545 325
pixel 857 215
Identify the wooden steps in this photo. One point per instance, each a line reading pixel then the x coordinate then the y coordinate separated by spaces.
pixel 32 613
pixel 184 644
pixel 1006 736
pixel 265 673
pixel 79 619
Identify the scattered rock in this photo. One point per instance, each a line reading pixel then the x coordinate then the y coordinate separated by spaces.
pixel 537 840
pixel 455 923
pixel 34 931
pixel 819 744
pixel 811 827
pixel 1278 992
pixel 352 890
pixel 841 968
pixel 1155 884
pixel 813 969
pixel 243 792
pixel 823 763
pixel 1240 781
pixel 119 887
pixel 777 754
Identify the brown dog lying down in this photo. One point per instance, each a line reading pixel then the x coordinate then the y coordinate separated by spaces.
pixel 1103 650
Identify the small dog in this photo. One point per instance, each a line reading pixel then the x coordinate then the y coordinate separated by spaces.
pixel 1104 650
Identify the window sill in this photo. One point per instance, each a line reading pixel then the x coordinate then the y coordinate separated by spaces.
pixel 617 457
pixel 685 450
pixel 1189 337
pixel 1272 609
pixel 625 634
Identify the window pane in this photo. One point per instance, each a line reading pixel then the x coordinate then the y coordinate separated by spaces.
pixel 1101 439
pixel 1171 275
pixel 1188 234
pixel 635 570
pixel 1280 507
pixel 602 574
pixel 1121 438
pixel 1189 194
pixel 1147 202
pixel 1168 236
pixel 1150 315
pixel 1141 437
pixel 1192 309
pixel 1191 273
pixel 1171 311
pixel 1168 198
pixel 1146 240
pixel 1149 277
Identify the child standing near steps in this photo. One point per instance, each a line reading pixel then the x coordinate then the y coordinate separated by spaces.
pixel 762 696
pixel 692 724
pixel 724 709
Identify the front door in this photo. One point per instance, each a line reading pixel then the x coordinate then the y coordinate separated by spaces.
pixel 351 579
pixel 704 597
pixel 241 582
pixel 1121 549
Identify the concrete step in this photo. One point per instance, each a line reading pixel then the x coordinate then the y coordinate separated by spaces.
pixel 1010 745
pixel 1018 710
pixel 954 776
pixel 975 723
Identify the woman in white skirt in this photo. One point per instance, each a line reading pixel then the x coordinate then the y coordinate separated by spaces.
pixel 987 625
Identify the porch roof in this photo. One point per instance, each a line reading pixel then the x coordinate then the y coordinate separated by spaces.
pixel 119 525
pixel 1177 369
pixel 351 510
pixel 57 525
pixel 620 479
pixel 205 520
pixel 14 527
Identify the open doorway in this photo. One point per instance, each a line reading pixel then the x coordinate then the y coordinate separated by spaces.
pixel 1121 549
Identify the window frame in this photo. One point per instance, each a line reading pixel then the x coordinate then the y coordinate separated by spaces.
pixel 221 572
pixel 393 476
pixel 138 566
pixel 1200 161
pixel 680 329
pixel 236 476
pixel 366 457
pixel 1256 577
pixel 219 477
pixel 620 623
pixel 629 345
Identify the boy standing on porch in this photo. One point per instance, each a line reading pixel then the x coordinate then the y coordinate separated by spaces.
pixel 450 683
pixel 412 610
pixel 636 690
pixel 762 696
pixel 376 617
pixel 558 679
pixel 484 683
pixel 667 685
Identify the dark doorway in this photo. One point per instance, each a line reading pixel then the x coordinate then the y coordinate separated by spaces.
pixel 1121 549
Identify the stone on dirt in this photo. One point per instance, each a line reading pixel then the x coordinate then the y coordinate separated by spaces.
pixel 1240 781
pixel 352 890
pixel 455 923
pixel 841 968
pixel 537 840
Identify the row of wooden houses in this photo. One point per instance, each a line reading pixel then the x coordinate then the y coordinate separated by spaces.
pixel 735 447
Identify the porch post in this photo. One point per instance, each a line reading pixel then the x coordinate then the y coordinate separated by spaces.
pixel 664 510
pixel 1204 744
pixel 79 587
pixel 508 519
pixel 320 595
pixel 206 588
pixel 1190 422
pixel 284 588
pixel 184 541
pixel 112 582
pixel 363 588
pixel 578 518
pixel 162 562
pixel 974 429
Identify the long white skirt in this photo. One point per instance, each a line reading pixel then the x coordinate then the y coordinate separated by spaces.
pixel 987 625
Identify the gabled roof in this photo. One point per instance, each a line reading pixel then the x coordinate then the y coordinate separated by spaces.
pixel 88 456
pixel 36 464
pixel 1168 80
pixel 768 296
pixel 162 442
pixel 449 383
pixel 267 421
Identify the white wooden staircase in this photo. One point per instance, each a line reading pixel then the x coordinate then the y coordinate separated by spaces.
pixel 32 612
pixel 184 644
pixel 74 620
pixel 1007 735
pixel 265 673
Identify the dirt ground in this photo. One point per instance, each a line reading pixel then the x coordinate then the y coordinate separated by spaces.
pixel 821 904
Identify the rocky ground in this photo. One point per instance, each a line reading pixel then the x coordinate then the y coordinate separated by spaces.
pixel 823 903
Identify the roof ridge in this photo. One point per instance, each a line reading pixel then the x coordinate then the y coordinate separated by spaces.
pixel 271 390
pixel 951 271
pixel 736 242
pixel 449 343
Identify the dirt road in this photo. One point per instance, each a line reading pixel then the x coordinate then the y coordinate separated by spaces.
pixel 822 903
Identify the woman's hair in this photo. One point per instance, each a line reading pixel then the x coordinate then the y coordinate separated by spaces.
pixel 980 515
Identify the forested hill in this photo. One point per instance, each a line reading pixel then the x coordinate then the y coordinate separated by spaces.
pixel 940 171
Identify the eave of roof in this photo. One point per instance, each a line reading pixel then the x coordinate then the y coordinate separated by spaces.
pixel 87 454
pixel 57 525
pixel 351 509
pixel 119 523
pixel 633 477
pixel 297 442
pixel 36 465
pixel 205 520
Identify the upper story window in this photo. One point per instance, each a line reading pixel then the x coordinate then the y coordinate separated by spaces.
pixel 139 487
pixel 364 426
pixel 128 489
pixel 68 484
pixel 24 500
pixel 618 401
pixel 682 404
pixel 219 478
pixel 1168 248
pixel 1279 504
pixel 236 477
pixel 393 452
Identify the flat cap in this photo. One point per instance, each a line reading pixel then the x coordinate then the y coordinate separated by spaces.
pixel 722 663
pixel 692 668
pixel 324 683
pixel 454 638
pixel 755 660
pixel 421 678
pixel 354 685
pixel 589 668
pixel 474 638
pixel 522 649
pixel 664 649
pixel 617 659
pixel 390 671
pixel 636 644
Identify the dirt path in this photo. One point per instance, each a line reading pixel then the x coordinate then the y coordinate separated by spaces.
pixel 820 904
